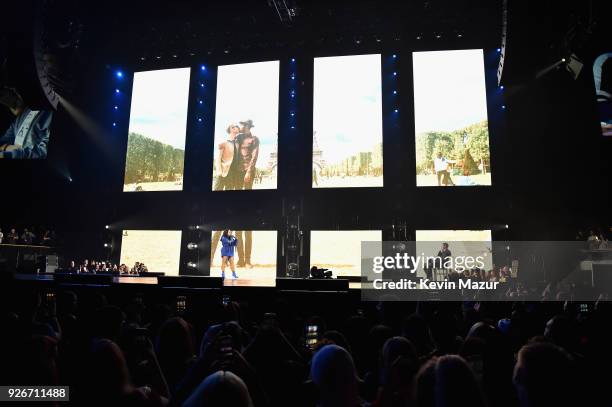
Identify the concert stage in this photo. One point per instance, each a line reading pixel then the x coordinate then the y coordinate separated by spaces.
pixel 190 283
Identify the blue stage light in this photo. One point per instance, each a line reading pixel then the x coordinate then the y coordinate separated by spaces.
pixel 116 107
pixel 498 49
pixel 203 68
pixel 293 127
pixel 396 110
pixel 202 84
pixel 394 56
pixel 292 114
pixel 200 119
pixel 504 107
pixel 292 59
pixel 292 76
pixel 501 87
pixel 114 124
pixel 116 90
pixel 394 73
pixel 119 74
pixel 201 101
pixel 395 92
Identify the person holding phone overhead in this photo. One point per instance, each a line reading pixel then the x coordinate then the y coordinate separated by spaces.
pixel 228 247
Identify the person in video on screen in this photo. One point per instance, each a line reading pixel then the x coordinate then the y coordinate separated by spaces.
pixel 28 135
pixel 228 247
pixel 441 166
pixel 248 145
pixel 249 152
pixel 228 164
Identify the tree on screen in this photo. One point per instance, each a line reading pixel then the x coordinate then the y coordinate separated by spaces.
pixel 149 160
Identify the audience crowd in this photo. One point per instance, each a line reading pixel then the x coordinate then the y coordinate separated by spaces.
pixel 103 267
pixel 31 236
pixel 114 347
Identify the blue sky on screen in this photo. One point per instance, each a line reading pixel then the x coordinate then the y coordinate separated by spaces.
pixel 159 105
pixel 249 91
pixel 347 116
pixel 449 89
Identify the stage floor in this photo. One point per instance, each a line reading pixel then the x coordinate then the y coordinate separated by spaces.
pixel 245 279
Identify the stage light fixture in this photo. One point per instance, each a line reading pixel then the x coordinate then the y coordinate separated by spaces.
pixel 293 77
pixel 292 59
pixel 116 107
pixel 203 68
pixel 107 227
pixel 394 56
pixel 507 226
pixel 418 37
pixel 192 265
pixel 107 245
pixel 292 127
pixel 114 124
pixel 201 84
pixel 504 107
pixel 501 87
pixel 498 49
pixel 394 73
pixel 396 110
pixel 200 119
pixel 119 74
pixel 292 113
pixel 192 246
pixel 395 92
pixel 201 101
pixel 562 59
pixel 116 90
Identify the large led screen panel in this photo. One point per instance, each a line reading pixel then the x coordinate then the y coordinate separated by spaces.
pixel 254 256
pixel 460 243
pixel 157 131
pixel 340 250
pixel 451 124
pixel 246 127
pixel 347 145
pixel 159 250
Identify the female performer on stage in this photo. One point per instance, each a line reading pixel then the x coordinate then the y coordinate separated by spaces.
pixel 228 246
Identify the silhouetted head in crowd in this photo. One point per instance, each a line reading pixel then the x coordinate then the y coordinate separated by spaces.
pixel 175 349
pixel 107 375
pixel 560 331
pixel 333 372
pixel 414 328
pixel 220 389
pixel 394 349
pixel 543 376
pixel 447 381
pixel 40 366
pixel 337 338
pixel 484 331
pixel 443 333
pixel 107 322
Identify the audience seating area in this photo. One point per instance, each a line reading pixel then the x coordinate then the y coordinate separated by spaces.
pixel 146 345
